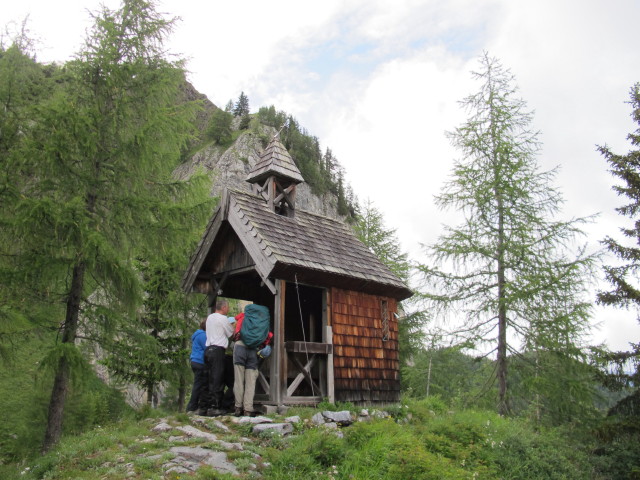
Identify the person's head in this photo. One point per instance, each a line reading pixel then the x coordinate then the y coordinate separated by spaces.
pixel 203 324
pixel 222 306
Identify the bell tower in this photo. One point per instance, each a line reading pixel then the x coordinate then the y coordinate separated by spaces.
pixel 275 177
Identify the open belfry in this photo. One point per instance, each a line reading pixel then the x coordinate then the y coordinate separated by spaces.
pixel 333 304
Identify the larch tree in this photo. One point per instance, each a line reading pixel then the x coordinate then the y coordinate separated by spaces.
pixel 509 274
pixel 624 276
pixel 96 187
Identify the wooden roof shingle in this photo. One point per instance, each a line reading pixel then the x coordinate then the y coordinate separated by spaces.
pixel 315 249
pixel 275 160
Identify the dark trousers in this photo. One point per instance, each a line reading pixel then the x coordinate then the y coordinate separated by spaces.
pixel 214 360
pixel 200 387
pixel 227 399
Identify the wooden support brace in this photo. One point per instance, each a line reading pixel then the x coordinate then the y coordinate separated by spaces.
pixel 304 374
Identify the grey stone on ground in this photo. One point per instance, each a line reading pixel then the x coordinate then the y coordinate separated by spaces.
pixel 162 427
pixel 197 455
pixel 331 425
pixel 343 417
pixel 221 426
pixel 317 419
pixel 282 428
pixel 283 409
pixel 253 420
pixel 230 446
pixel 199 421
pixel 178 469
pixel 294 419
pixel 194 432
pixel 269 409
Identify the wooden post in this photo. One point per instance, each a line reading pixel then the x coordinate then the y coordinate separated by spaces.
pixel 278 374
pixel 211 301
pixel 328 338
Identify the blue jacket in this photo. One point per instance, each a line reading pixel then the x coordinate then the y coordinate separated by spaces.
pixel 198 341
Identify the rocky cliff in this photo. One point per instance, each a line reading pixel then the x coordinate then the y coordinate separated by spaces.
pixel 228 166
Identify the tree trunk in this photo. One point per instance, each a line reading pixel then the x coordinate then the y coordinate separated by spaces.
pixel 182 385
pixel 63 373
pixel 150 394
pixel 501 369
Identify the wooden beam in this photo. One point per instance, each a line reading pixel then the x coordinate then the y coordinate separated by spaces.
pixel 308 347
pixel 304 371
pixel 267 283
pixel 278 359
pixel 328 338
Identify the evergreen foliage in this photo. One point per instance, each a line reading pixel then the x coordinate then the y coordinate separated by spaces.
pixel 507 271
pixel 219 129
pixel 24 387
pixel 92 183
pixel 620 434
pixel 241 108
pixel 448 374
pixel 383 242
pixel 369 227
pixel 322 173
pixel 24 84
pixel 624 277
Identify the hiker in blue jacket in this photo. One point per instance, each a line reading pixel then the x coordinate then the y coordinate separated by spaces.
pixel 200 373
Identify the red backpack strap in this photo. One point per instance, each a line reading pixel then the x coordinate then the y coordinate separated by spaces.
pixel 268 340
pixel 236 333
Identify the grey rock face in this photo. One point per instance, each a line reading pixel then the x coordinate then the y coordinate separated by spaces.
pixel 228 167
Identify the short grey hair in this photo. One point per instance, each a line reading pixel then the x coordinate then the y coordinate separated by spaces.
pixel 220 304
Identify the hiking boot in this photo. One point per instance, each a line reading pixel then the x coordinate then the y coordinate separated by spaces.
pixel 215 412
pixel 202 412
pixel 251 414
pixel 238 412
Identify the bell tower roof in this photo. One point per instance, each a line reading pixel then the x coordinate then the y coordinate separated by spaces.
pixel 275 161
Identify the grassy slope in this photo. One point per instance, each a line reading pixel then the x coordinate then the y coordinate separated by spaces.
pixel 24 394
pixel 420 441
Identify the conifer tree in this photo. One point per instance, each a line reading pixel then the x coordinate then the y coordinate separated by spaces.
pixel 370 229
pixel 624 276
pixel 95 182
pixel 241 107
pixel 23 86
pixel 507 272
pixel 219 128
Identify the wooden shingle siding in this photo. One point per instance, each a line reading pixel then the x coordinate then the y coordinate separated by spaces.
pixel 366 367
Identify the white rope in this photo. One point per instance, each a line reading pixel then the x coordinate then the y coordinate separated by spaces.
pixel 304 337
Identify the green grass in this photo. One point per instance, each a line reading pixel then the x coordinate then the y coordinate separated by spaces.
pixel 420 440
pixel 24 396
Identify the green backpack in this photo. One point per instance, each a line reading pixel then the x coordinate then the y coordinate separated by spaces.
pixel 255 326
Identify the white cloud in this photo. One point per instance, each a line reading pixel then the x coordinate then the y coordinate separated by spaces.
pixel 379 81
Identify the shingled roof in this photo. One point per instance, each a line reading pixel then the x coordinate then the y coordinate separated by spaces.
pixel 275 160
pixel 309 248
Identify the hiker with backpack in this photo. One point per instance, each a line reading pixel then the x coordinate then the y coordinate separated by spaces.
pixel 218 331
pixel 252 338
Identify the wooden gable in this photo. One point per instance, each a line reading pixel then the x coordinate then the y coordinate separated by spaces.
pixel 310 248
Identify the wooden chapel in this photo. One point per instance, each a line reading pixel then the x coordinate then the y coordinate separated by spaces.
pixel 333 304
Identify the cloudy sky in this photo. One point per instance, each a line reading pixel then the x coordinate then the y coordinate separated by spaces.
pixel 379 81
